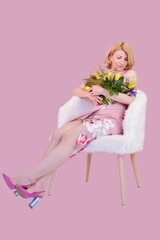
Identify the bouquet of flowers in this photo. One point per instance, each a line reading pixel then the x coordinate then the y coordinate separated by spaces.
pixel 114 83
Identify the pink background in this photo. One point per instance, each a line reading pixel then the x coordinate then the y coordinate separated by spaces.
pixel 47 48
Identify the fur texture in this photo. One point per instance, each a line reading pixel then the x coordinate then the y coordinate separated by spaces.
pixel 132 139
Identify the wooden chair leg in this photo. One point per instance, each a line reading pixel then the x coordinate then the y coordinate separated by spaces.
pixel 51 183
pixel 89 157
pixel 121 176
pixel 135 169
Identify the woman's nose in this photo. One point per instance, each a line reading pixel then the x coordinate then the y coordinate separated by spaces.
pixel 121 61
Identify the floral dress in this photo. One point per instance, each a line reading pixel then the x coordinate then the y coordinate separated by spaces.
pixel 106 120
pixel 101 121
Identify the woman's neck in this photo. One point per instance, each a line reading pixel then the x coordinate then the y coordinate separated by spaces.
pixel 118 71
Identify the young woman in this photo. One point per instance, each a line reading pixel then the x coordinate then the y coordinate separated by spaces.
pixel 99 121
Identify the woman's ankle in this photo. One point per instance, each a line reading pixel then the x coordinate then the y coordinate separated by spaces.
pixel 39 185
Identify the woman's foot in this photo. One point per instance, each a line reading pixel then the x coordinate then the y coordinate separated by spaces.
pixel 11 182
pixel 25 194
pixel 37 188
pixel 23 180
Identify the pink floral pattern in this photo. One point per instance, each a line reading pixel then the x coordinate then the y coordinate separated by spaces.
pixel 92 128
pixel 106 120
pixel 81 139
pixel 98 127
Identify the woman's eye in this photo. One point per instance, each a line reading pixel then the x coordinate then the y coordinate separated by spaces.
pixel 119 57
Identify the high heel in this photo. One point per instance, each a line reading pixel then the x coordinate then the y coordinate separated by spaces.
pixel 34 202
pixel 12 186
pixel 36 196
pixel 23 192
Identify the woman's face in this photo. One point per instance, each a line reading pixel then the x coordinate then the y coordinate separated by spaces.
pixel 119 60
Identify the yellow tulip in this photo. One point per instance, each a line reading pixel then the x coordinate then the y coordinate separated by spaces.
pixel 117 77
pixel 109 75
pixel 131 85
pixel 87 88
pixel 95 76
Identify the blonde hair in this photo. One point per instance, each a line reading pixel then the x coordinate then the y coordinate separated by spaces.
pixel 120 46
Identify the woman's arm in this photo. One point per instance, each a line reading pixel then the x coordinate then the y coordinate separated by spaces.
pixel 124 98
pixel 80 92
pixel 121 97
pixel 96 90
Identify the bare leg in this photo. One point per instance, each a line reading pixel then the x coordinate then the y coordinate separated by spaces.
pixel 54 158
pixel 59 155
pixel 54 141
pixel 57 135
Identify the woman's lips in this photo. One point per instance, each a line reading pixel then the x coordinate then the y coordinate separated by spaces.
pixel 120 66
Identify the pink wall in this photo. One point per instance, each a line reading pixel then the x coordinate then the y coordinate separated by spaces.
pixel 47 48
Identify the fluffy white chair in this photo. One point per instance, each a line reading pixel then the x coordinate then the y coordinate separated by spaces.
pixel 129 143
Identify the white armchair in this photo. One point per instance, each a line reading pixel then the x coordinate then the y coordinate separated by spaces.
pixel 129 143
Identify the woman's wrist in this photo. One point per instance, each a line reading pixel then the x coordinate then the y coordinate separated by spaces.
pixel 85 94
pixel 105 93
pixel 80 93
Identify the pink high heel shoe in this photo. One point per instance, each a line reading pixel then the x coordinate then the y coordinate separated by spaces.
pixel 34 202
pixel 12 186
pixel 36 195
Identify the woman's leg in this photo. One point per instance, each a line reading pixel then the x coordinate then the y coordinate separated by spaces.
pixel 54 141
pixel 59 155
pixel 57 135
pixel 53 159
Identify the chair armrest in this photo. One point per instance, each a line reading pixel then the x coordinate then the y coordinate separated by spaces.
pixel 74 107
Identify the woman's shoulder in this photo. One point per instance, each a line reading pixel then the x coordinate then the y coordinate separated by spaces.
pixel 131 71
pixel 131 75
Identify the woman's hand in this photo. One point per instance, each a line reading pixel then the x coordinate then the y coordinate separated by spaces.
pixel 92 94
pixel 98 90
pixel 94 98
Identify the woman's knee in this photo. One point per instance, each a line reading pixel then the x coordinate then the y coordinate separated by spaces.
pixel 66 133
pixel 56 135
pixel 66 136
pixel 72 135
